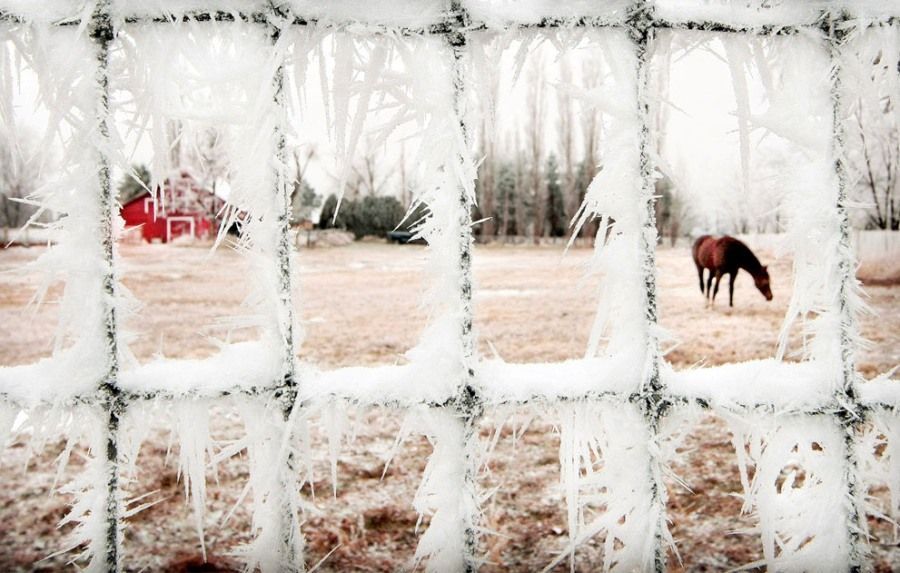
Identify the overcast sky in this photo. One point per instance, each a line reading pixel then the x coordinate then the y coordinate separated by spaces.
pixel 700 130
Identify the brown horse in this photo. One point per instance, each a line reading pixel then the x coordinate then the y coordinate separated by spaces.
pixel 725 256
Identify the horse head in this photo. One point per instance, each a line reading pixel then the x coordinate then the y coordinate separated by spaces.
pixel 762 282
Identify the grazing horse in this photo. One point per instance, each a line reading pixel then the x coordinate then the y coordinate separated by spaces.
pixel 725 256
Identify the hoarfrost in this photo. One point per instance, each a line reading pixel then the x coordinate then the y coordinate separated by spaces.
pixel 444 494
pixel 797 484
pixel 607 488
pixel 270 447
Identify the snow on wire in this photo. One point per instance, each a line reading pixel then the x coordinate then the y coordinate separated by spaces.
pixel 616 406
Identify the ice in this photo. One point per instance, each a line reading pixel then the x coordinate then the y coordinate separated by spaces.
pixel 89 490
pixel 407 13
pixel 750 13
pixel 239 365
pixel 224 76
pixel 882 390
pixel 500 382
pixel 784 386
pixel 798 490
pixel 175 9
pixel 501 13
pixel 192 427
pixel 613 197
pixel 59 60
pixel 443 493
pixel 8 415
pixel 278 544
pixel 49 11
pixel 886 432
pixel 604 457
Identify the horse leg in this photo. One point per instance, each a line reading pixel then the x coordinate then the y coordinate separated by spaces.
pixel 716 288
pixel 709 285
pixel 700 272
pixel 732 276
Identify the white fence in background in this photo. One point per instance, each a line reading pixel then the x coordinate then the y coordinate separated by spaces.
pixel 26 236
pixel 867 245
pixel 873 245
pixel 802 425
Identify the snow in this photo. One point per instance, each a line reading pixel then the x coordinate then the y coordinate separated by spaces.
pixel 406 13
pixel 443 492
pixel 882 391
pixel 277 543
pixel 500 382
pixel 782 386
pixel 757 13
pixel 58 379
pixel 607 487
pixel 499 14
pixel 224 76
pixel 48 11
pixel 177 8
pixel 89 489
pixel 797 491
pixel 239 366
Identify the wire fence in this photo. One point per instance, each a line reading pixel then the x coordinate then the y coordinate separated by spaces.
pixel 827 403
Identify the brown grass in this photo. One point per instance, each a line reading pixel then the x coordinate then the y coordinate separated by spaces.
pixel 880 272
pixel 360 305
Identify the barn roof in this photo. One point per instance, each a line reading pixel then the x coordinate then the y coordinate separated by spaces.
pixel 183 174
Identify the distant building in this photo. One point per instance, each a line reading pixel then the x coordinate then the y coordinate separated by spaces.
pixel 184 209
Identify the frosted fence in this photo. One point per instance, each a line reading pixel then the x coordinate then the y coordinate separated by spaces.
pixel 614 405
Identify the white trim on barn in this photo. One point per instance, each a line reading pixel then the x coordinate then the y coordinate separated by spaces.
pixel 181 219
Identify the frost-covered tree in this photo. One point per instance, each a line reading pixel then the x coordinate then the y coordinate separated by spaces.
pixel 207 158
pixel 874 127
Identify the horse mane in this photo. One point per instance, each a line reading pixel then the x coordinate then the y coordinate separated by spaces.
pixel 748 260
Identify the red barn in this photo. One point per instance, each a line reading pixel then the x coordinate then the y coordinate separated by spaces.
pixel 185 209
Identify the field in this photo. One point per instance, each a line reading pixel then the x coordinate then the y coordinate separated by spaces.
pixel 359 306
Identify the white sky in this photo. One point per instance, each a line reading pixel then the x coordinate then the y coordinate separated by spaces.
pixel 699 133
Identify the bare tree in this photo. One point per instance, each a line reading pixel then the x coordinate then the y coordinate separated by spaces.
pixel 369 173
pixel 566 123
pixel 207 158
pixel 590 129
pixel 536 134
pixel 487 181
pixel 520 187
pixel 874 148
pixel 880 158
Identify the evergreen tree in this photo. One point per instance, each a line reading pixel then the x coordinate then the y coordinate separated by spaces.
pixel 556 204
pixel 304 201
pixel 130 188
pixel 506 199
pixel 326 215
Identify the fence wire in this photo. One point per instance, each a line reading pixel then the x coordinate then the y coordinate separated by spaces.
pixel 478 384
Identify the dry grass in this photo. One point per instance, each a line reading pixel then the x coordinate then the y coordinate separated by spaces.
pixel 360 305
pixel 880 272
